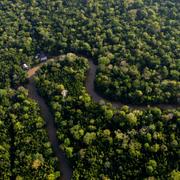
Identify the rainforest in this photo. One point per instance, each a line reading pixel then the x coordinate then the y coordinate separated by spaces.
pixel 89 90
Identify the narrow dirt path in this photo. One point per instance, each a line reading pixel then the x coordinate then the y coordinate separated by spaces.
pixel 64 167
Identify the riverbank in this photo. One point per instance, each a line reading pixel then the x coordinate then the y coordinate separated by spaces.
pixel 46 114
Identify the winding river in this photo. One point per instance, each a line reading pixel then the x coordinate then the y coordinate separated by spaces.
pixel 64 166
pixel 91 76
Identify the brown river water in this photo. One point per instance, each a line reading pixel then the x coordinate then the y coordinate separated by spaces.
pixel 64 166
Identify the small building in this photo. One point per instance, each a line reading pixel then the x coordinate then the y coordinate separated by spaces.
pixel 25 66
pixel 42 57
pixel 64 93
pixel 171 115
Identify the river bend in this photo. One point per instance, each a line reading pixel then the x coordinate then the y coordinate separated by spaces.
pixel 64 166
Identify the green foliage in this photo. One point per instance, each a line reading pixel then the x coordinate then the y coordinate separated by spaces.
pixel 106 143
pixel 25 152
pixel 136 47
pixel 135 43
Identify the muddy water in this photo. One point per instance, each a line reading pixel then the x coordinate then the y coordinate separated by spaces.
pixel 65 169
pixel 64 166
pixel 90 79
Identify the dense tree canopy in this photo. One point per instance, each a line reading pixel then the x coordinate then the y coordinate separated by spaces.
pixel 135 43
pixel 106 143
pixel 25 151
